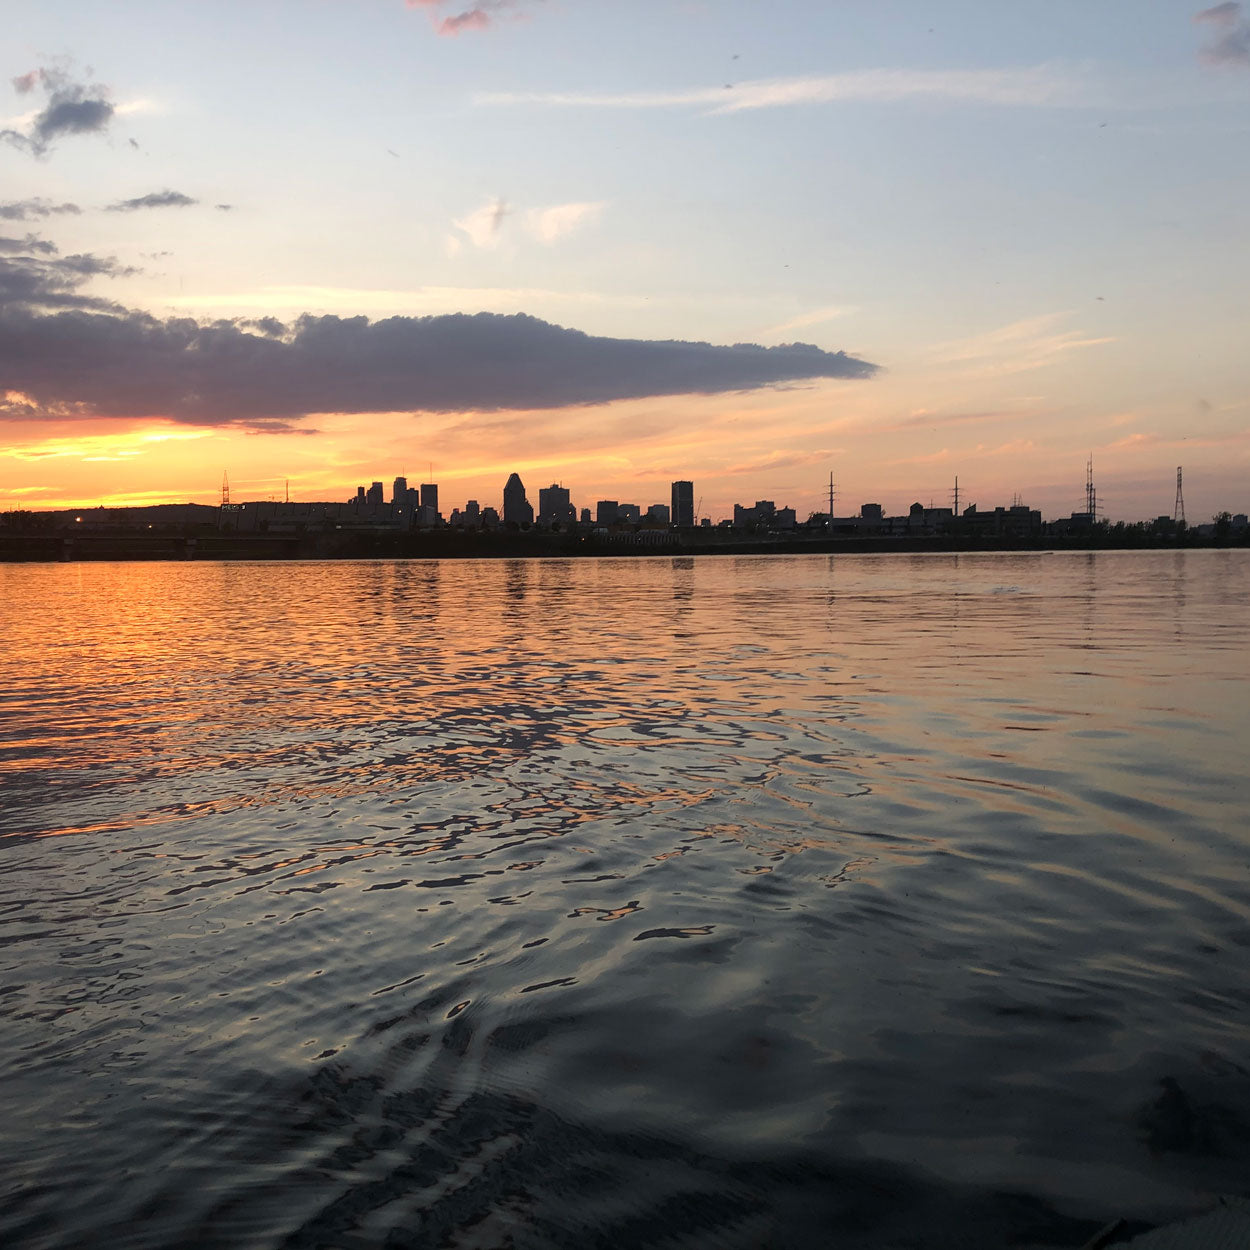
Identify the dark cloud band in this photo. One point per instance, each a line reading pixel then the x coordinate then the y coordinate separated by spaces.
pixel 65 350
pixel 222 373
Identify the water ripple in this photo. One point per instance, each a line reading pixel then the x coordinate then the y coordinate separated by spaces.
pixel 622 902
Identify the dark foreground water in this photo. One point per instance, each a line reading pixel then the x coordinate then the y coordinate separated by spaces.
pixel 853 902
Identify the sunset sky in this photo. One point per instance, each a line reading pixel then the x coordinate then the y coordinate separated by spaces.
pixel 1013 236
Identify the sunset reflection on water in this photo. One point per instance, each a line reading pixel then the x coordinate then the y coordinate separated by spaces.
pixel 586 898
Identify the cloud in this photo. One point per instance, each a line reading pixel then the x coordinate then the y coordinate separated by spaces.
pixel 71 108
pixel 550 224
pixel 35 278
pixel 1231 43
pixel 31 243
pixel 67 352
pixel 816 317
pixel 482 226
pixel 1040 85
pixel 480 16
pixel 1016 348
pixel 154 199
pixel 26 210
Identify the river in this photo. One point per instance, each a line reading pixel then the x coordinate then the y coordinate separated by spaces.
pixel 719 902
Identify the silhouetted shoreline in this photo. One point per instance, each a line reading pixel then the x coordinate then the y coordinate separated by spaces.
pixel 503 544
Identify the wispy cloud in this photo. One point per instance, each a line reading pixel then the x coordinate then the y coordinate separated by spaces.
pixel 1023 345
pixel 28 210
pixel 450 18
pixel 817 316
pixel 125 445
pixel 482 226
pixel 154 199
pixel 942 420
pixel 549 224
pixel 1230 44
pixel 70 108
pixel 1039 85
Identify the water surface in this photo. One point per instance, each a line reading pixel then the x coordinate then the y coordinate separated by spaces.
pixel 713 902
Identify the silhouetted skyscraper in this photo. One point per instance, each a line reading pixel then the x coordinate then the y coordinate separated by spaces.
pixel 429 503
pixel 554 505
pixel 605 512
pixel 516 508
pixel 399 491
pixel 683 503
pixel 376 495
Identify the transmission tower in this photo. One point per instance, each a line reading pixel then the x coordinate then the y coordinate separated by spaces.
pixel 955 496
pixel 225 489
pixel 1091 495
pixel 831 497
pixel 1178 512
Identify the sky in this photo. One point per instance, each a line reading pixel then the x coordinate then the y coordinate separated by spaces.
pixel 317 243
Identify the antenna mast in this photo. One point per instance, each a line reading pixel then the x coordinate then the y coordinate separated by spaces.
pixel 956 496
pixel 1091 495
pixel 1178 512
pixel 831 497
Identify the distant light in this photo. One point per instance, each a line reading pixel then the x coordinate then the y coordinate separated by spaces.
pixel 78 518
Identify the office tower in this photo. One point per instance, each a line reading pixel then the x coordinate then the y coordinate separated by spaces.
pixel 516 508
pixel 360 496
pixel 658 512
pixel 554 506
pixel 376 496
pixel 628 512
pixel 399 492
pixel 605 512
pixel 585 516
pixel 683 503
pixel 429 503
pixel 472 512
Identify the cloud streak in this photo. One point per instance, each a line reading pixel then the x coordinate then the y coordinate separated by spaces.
pixel 71 108
pixel 34 209
pixel 1230 45
pixel 154 199
pixel 1036 86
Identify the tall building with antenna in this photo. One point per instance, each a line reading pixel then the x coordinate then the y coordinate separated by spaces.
pixel 1178 509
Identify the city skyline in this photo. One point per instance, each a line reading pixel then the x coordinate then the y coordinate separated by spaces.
pixel 424 499
pixel 620 247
